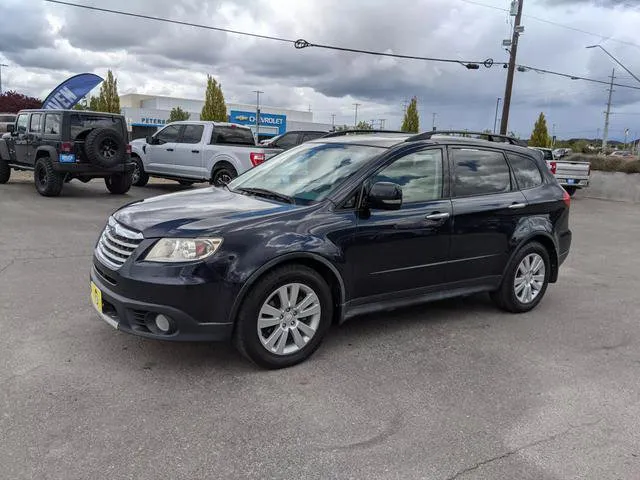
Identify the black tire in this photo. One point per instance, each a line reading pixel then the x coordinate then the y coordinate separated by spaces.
pixel 246 336
pixel 48 182
pixel 186 183
pixel 139 177
pixel 5 172
pixel 105 147
pixel 223 174
pixel 571 190
pixel 505 297
pixel 118 183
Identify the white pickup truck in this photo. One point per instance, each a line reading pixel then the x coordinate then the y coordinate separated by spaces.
pixel 572 175
pixel 197 151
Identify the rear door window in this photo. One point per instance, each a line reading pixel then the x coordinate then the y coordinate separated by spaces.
pixel 525 170
pixel 192 134
pixel 479 172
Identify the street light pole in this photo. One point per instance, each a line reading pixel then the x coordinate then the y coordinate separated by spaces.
pixel 355 118
pixel 495 118
pixel 258 92
pixel 504 122
pixel 615 60
pixel 1 65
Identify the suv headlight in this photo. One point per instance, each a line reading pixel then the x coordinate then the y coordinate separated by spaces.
pixel 182 249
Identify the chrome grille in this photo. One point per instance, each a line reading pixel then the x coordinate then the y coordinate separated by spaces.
pixel 116 244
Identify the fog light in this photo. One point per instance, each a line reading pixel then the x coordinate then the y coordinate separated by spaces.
pixel 163 323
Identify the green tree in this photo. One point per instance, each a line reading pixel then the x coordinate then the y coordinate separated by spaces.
pixel 214 107
pixel 540 136
pixel 340 128
pixel 411 122
pixel 177 115
pixel 109 101
pixel 362 125
pixel 94 104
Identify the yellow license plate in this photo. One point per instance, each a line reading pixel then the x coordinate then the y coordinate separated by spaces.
pixel 96 297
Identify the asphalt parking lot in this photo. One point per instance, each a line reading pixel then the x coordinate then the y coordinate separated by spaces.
pixel 451 390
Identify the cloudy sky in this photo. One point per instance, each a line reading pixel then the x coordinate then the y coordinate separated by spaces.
pixel 44 43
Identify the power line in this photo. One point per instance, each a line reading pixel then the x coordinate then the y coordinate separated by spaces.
pixel 550 22
pixel 300 44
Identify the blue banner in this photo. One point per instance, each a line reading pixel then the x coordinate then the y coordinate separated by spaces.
pixel 266 119
pixel 71 91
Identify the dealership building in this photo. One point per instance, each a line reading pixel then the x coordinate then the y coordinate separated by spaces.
pixel 146 113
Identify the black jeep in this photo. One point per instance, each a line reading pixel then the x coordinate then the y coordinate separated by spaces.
pixel 60 145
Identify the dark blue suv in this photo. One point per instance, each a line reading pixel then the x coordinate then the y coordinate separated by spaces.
pixel 336 227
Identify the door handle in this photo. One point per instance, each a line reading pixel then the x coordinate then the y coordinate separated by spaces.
pixel 169 149
pixel 437 216
pixel 195 151
pixel 515 206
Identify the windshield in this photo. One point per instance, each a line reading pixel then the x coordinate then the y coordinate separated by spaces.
pixel 307 173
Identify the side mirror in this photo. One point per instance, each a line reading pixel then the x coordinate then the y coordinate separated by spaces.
pixel 10 128
pixel 385 196
pixel 149 140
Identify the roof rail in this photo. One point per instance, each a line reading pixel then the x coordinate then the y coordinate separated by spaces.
pixel 340 133
pixel 491 137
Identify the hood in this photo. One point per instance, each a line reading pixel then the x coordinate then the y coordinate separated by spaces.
pixel 198 212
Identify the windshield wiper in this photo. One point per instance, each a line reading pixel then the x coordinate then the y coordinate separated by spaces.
pixel 263 192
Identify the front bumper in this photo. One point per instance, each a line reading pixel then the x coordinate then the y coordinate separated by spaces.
pixel 136 315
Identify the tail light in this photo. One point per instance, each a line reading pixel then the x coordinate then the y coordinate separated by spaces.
pixel 566 198
pixel 128 149
pixel 256 158
pixel 552 167
pixel 66 147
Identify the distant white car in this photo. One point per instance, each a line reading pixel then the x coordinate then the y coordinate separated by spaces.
pixel 191 152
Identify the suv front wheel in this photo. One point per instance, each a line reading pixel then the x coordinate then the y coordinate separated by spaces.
pixel 118 183
pixel 525 281
pixel 284 317
pixel 48 182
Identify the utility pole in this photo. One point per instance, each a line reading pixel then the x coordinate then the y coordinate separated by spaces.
pixel 433 123
pixel 258 92
pixel 495 117
pixel 355 118
pixel 333 121
pixel 382 121
pixel 517 29
pixel 605 133
pixel 1 65
pixel 553 135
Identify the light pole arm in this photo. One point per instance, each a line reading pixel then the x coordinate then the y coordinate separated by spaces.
pixel 616 60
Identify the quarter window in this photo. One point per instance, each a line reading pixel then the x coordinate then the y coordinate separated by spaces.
pixel 52 124
pixel 192 134
pixel 419 174
pixel 34 124
pixel 479 172
pixel 525 170
pixel 21 124
pixel 169 134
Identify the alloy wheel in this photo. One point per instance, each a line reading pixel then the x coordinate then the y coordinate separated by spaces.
pixel 289 319
pixel 529 278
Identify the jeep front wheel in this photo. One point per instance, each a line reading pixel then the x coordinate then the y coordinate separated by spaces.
pixel 118 183
pixel 48 182
pixel 5 172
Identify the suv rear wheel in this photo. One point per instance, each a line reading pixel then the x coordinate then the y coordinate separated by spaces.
pixel 284 317
pixel 48 182
pixel 5 171
pixel 118 183
pixel 525 281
